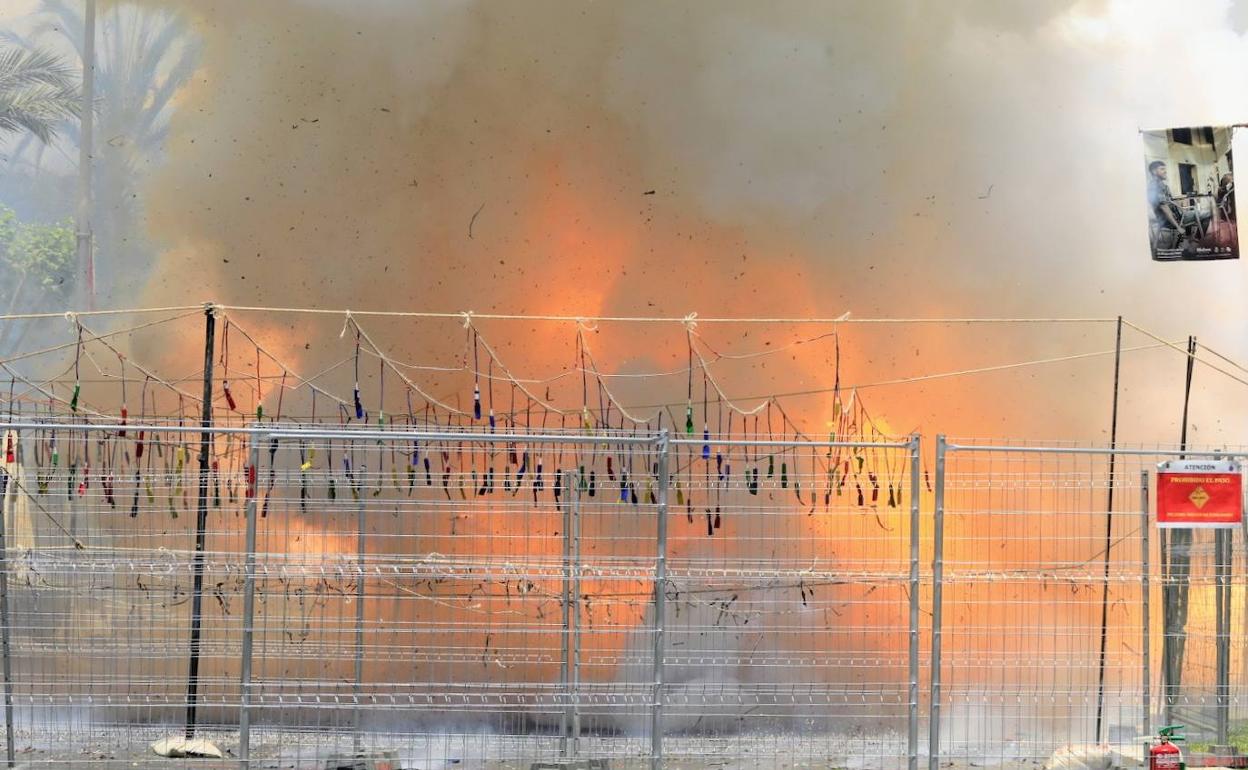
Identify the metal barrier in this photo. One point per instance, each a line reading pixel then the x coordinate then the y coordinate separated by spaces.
pixel 1047 587
pixel 473 599
pixel 499 600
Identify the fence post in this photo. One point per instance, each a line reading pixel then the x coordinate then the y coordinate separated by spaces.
pixel 360 546
pixel 1222 590
pixel 5 626
pixel 565 643
pixel 938 569
pixel 570 649
pixel 912 725
pixel 576 613
pixel 660 605
pixel 1145 566
pixel 249 606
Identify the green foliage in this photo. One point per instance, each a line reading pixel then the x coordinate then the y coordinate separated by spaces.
pixel 37 261
pixel 1236 736
pixel 38 90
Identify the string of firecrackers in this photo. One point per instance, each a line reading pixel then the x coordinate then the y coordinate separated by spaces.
pixel 180 452
pixel 846 425
pixel 689 320
pixel 721 398
pixel 686 320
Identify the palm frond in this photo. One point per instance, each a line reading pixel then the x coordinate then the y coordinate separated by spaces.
pixel 38 90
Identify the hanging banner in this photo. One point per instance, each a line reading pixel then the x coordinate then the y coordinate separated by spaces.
pixel 1200 493
pixel 1191 194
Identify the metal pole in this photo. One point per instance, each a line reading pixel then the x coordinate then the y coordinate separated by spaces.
pixel 85 237
pixel 249 606
pixel 912 725
pixel 576 614
pixel 565 643
pixel 1109 540
pixel 1145 619
pixel 1221 550
pixel 660 605
pixel 938 571
pixel 360 547
pixel 5 625
pixel 201 522
pixel 1177 559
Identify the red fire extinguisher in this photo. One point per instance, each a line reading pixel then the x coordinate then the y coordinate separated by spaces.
pixel 1163 754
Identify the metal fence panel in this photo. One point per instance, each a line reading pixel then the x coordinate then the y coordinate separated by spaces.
pixel 460 599
pixel 1051 606
pixel 789 601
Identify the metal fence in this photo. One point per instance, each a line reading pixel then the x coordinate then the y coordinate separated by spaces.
pixel 495 600
pixel 458 599
pixel 1063 620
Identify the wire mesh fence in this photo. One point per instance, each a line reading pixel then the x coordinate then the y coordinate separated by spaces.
pixel 437 599
pixel 502 600
pixel 1066 622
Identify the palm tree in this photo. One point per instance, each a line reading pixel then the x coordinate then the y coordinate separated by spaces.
pixel 144 56
pixel 37 91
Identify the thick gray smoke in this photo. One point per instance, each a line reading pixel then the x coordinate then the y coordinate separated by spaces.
pixel 891 159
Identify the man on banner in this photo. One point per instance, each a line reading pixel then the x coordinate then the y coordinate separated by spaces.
pixel 1169 214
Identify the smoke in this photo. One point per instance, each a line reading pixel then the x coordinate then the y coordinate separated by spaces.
pixel 898 160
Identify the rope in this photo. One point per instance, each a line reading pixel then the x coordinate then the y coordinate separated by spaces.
pixel 924 377
pixel 692 319
pixel 94 337
pixel 20 316
pixel 1175 347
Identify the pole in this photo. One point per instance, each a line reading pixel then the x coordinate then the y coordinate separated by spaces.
pixel 938 572
pixel 1222 594
pixel 1109 537
pixel 565 645
pixel 576 613
pixel 86 259
pixel 1176 557
pixel 912 724
pixel 660 605
pixel 201 522
pixel 249 608
pixel 1145 566
pixel 357 687
pixel 5 627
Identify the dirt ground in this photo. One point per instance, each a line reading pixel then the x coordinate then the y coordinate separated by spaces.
pixel 312 751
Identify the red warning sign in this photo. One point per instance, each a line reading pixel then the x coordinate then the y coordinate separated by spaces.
pixel 1199 493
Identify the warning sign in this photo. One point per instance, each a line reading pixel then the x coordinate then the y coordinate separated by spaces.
pixel 1199 493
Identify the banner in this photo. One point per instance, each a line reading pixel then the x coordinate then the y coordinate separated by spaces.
pixel 1199 493
pixel 1191 194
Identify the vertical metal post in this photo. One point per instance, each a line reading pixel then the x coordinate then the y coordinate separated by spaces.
pixel 201 522
pixel 1222 592
pixel 912 717
pixel 1145 618
pixel 360 546
pixel 249 607
pixel 565 638
pixel 1177 561
pixel 660 604
pixel 575 656
pixel 1109 542
pixel 938 570
pixel 5 628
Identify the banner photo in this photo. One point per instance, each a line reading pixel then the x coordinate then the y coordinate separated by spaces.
pixel 1191 194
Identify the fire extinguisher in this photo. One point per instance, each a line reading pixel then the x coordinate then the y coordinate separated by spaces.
pixel 1163 754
